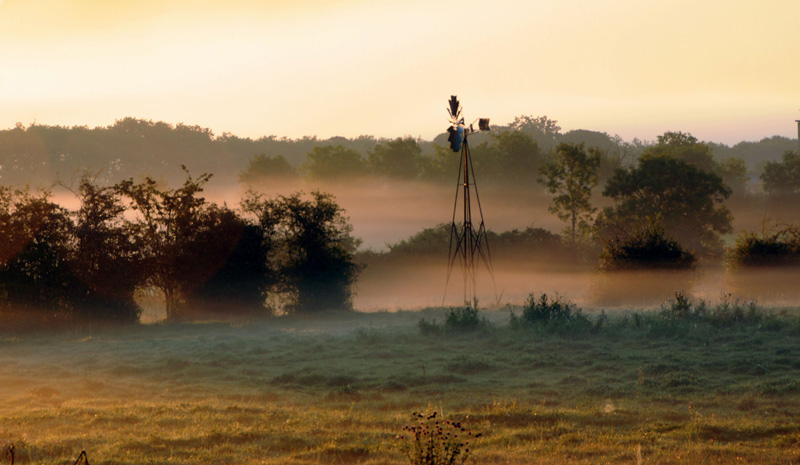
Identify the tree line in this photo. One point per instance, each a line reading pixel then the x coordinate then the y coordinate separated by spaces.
pixel 668 208
pixel 280 255
pixel 39 154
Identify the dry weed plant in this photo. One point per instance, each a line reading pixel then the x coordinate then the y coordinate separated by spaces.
pixel 433 440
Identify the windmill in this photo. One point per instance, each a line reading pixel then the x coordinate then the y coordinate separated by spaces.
pixel 469 244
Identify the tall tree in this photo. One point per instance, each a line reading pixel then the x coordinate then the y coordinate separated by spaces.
pixel 167 226
pixel 571 176
pixel 683 199
pixel 685 147
pixel 105 259
pixel 313 250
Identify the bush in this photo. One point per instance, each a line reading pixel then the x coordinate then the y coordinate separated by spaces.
pixel 781 248
pixel 555 314
pixel 458 320
pixel 462 319
pixel 648 248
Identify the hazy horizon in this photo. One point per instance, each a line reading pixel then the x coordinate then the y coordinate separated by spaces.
pixel 725 72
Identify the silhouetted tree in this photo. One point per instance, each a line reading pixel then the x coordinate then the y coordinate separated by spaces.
pixel 105 258
pixel 233 256
pixel 313 248
pixel 168 224
pixel 34 269
pixel 571 175
pixel 687 201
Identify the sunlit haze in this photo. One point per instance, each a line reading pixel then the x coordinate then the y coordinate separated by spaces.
pixel 725 71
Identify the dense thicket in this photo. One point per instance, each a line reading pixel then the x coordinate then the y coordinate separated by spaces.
pixel 767 249
pixel 60 266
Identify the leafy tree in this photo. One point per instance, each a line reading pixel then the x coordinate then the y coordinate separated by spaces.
pixel 167 226
pixel 685 147
pixel 515 158
pixel 441 167
pixel 232 253
pixel 687 201
pixel 398 158
pixel 263 167
pixel 541 128
pixel 34 270
pixel 333 163
pixel 106 260
pixel 571 175
pixel 733 171
pixel 613 150
pixel 782 178
pixel 313 250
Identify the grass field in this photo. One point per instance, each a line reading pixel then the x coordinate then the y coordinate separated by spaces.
pixel 340 388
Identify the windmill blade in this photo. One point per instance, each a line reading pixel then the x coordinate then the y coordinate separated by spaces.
pixel 454 107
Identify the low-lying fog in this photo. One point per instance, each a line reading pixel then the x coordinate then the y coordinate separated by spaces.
pixel 384 212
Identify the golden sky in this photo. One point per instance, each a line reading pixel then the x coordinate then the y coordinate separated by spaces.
pixel 724 70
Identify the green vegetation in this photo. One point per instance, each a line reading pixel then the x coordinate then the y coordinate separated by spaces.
pixel 433 440
pixel 63 268
pixel 685 200
pixel 672 385
pixel 132 147
pixel 552 315
pixel 782 179
pixel 645 248
pixel 314 268
pixel 768 249
pixel 572 175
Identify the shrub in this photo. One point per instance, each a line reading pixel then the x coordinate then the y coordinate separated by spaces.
pixel 551 313
pixel 433 440
pixel 725 314
pixel 428 327
pixel 460 319
pixel 780 248
pixel 647 248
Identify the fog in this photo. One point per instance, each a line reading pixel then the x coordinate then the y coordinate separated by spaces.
pixel 384 212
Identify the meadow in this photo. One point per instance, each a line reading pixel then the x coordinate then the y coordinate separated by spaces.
pixel 340 388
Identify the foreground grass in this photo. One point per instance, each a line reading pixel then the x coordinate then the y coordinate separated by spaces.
pixel 339 390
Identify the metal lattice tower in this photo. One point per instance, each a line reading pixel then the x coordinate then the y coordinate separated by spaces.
pixel 469 244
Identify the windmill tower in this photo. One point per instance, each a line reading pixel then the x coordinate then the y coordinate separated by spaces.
pixel 469 244
pixel 798 135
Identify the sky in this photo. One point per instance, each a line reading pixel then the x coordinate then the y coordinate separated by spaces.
pixel 723 70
